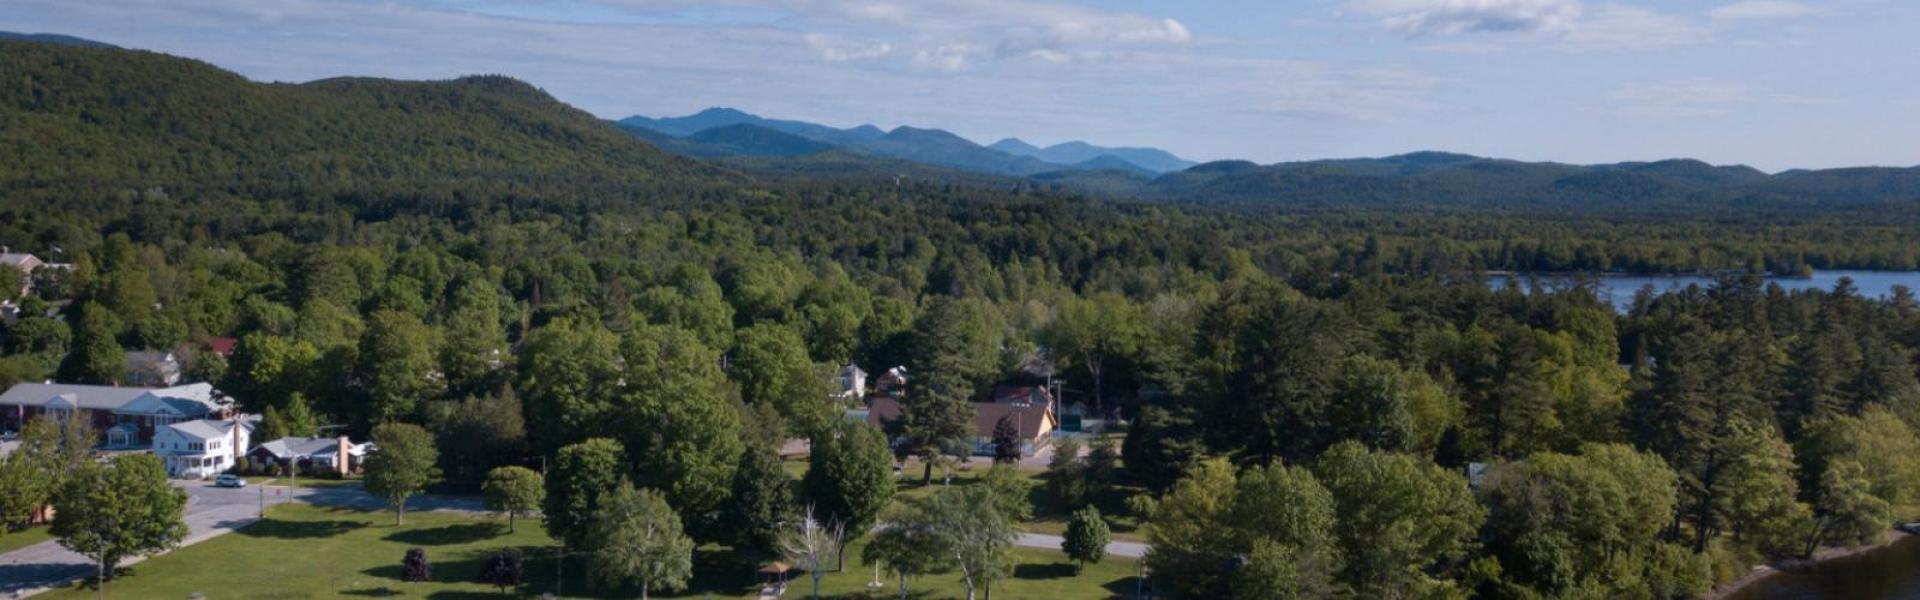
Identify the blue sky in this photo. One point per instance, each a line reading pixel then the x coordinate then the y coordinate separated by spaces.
pixel 1775 84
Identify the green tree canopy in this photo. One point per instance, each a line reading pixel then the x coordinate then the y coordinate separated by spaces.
pixel 636 538
pixel 514 491
pixel 403 463
pixel 120 509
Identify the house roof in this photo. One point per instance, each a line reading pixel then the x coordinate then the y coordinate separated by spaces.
pixel 1022 395
pixel 205 429
pixel 181 398
pixel 222 346
pixel 165 402
pixel 289 447
pixel 17 260
pixel 143 358
pixel 1031 418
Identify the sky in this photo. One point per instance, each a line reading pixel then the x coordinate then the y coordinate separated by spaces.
pixel 1775 84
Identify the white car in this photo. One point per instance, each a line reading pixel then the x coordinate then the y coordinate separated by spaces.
pixel 230 480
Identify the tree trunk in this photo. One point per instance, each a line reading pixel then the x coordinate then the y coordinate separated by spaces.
pixel 643 589
pixel 816 574
pixel 1099 399
pixel 509 521
pixel 903 586
pixel 926 474
pixel 400 514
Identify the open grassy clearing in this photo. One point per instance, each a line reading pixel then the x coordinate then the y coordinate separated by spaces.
pixel 307 552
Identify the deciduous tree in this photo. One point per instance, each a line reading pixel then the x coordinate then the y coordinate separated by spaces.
pixel 403 464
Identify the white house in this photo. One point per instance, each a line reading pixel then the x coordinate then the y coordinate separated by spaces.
pixel 203 448
pixel 851 382
pixel 152 368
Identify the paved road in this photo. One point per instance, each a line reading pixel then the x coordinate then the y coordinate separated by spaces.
pixel 211 511
pixel 1052 542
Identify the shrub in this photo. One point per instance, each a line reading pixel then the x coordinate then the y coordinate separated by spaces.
pixel 414 567
pixel 505 569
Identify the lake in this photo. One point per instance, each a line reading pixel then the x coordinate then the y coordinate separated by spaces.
pixel 1890 573
pixel 1620 288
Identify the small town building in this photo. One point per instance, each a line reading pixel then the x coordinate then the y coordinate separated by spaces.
pixel 1031 410
pixel 851 382
pixel 311 454
pixel 150 368
pixel 129 416
pixel 203 448
pixel 892 383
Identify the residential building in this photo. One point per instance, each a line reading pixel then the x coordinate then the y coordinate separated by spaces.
pixel 892 383
pixel 1031 409
pixel 312 454
pixel 152 368
pixel 203 448
pixel 851 382
pixel 129 416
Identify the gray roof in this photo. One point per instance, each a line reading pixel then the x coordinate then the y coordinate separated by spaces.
pixel 193 398
pixel 15 259
pixel 204 429
pixel 299 446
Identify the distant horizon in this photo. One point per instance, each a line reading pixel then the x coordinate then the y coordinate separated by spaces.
pixel 1773 84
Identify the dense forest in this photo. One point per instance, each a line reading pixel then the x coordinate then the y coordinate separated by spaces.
pixel 1305 387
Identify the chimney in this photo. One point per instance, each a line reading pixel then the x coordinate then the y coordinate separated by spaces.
pixel 341 459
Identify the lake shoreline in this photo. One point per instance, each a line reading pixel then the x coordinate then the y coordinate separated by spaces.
pixel 1822 556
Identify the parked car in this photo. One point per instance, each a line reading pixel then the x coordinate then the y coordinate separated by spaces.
pixel 230 480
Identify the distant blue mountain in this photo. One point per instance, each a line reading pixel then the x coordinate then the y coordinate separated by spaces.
pixel 55 38
pixel 722 117
pixel 690 135
pixel 1152 159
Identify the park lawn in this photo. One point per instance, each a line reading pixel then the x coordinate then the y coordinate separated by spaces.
pixel 302 551
pixel 21 538
pixel 304 483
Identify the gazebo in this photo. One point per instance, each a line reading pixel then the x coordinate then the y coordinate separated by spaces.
pixel 773 578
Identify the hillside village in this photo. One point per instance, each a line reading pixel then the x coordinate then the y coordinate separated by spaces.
pixel 456 338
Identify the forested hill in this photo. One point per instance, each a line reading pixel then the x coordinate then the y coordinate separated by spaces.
pixel 1439 178
pixel 77 120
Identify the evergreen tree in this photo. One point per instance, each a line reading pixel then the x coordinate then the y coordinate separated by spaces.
pixel 762 500
pixel 1006 441
pixel 96 357
pixel 1086 538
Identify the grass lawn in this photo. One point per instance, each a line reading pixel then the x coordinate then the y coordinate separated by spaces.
pixel 305 482
pixel 307 552
pixel 21 538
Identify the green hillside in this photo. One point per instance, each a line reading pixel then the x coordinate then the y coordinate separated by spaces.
pixel 83 119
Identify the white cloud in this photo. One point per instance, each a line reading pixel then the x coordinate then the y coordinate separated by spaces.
pixel 835 49
pixel 1609 26
pixel 1681 98
pixel 948 57
pixel 1623 27
pixel 1762 9
pixel 1452 17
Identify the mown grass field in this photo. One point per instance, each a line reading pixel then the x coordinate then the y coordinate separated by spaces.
pixel 307 552
pixel 21 538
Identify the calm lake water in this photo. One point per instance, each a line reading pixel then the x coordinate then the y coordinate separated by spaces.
pixel 1890 573
pixel 1620 288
